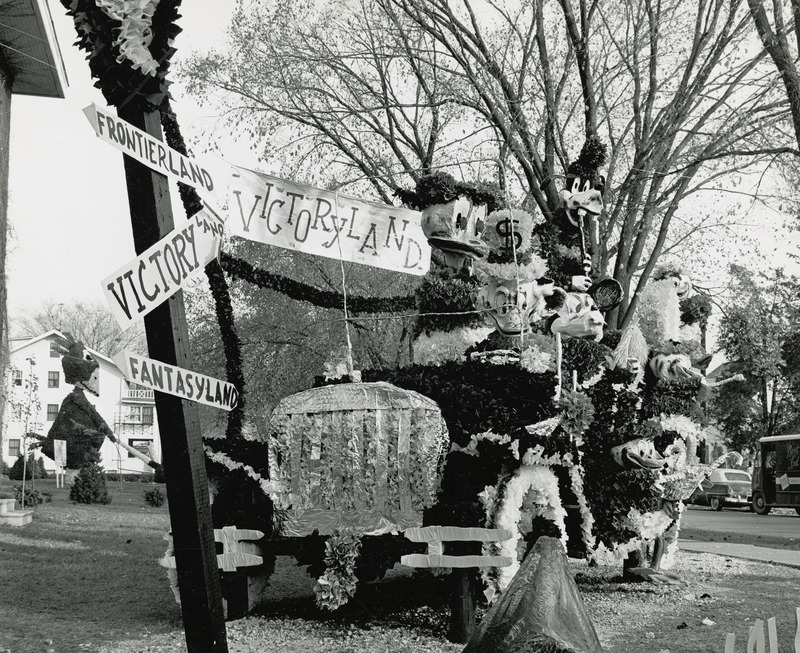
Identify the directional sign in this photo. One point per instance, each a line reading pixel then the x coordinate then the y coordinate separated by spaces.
pixel 177 381
pixel 155 275
pixel 150 151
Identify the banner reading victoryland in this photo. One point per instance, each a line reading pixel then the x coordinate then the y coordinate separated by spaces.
pixel 277 212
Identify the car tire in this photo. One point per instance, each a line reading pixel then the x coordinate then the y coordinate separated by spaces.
pixel 715 503
pixel 760 506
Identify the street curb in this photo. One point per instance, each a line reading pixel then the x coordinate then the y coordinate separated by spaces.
pixel 767 556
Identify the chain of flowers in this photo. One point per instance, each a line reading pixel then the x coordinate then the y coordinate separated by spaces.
pixel 338 584
pixel 135 34
pixel 241 269
pixel 220 458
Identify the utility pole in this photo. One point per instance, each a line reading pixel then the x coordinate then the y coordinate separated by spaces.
pixel 178 420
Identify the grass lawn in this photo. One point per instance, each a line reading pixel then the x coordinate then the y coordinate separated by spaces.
pixel 86 578
pixel 79 575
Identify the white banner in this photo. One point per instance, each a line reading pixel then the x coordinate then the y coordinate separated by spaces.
pixel 158 273
pixel 177 381
pixel 150 151
pixel 60 452
pixel 294 216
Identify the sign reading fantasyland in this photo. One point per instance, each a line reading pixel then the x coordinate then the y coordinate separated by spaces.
pixel 294 216
pixel 177 381
pixel 159 272
pixel 148 150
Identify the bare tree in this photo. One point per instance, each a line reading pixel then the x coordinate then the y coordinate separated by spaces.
pixel 781 39
pixel 89 322
pixel 385 91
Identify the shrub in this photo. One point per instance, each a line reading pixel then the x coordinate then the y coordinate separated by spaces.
pixel 154 497
pixel 89 485
pixel 32 497
pixel 34 469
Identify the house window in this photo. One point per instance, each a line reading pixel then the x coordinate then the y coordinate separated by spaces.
pixel 16 377
pixel 13 448
pixel 138 414
pixel 52 411
pixel 142 446
pixel 54 350
pixel 52 379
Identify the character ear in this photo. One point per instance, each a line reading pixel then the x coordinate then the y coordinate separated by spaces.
pixel 556 300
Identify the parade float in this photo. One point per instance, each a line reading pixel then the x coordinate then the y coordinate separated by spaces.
pixel 524 428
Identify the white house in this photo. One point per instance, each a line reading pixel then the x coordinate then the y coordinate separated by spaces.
pixel 128 409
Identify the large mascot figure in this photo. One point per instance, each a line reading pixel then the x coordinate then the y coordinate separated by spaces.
pixel 78 422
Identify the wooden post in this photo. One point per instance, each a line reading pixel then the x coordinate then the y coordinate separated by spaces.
pixel 178 421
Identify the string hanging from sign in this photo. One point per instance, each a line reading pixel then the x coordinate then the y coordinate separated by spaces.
pixel 355 377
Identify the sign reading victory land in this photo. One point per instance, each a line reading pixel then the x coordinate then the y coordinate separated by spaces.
pixel 177 381
pixel 294 216
pixel 159 272
pixel 148 150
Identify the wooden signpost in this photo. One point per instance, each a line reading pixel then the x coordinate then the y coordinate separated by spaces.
pixel 178 422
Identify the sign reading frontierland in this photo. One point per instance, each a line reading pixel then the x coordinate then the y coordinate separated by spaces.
pixel 150 151
pixel 177 381
pixel 294 216
pixel 158 273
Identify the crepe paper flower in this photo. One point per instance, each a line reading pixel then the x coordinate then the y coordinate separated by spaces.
pixel 268 487
pixel 647 525
pixel 530 483
pixel 135 33
pixel 577 412
pixel 536 361
pixel 524 273
pixel 338 584
pixel 440 347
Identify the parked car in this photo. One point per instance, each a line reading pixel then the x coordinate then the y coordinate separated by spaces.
pixel 728 487
pixel 776 473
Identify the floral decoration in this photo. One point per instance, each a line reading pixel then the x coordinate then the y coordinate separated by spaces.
pixel 577 413
pixel 539 354
pixel 532 484
pixel 135 34
pixel 439 347
pixel 338 584
pixel 240 269
pixel 129 44
pixel 441 188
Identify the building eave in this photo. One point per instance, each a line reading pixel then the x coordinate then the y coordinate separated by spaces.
pixel 28 38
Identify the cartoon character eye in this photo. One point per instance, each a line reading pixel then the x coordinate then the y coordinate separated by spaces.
pixel 522 300
pixel 587 185
pixel 501 298
pixel 576 185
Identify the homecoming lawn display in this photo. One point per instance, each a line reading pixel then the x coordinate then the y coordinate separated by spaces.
pixel 524 427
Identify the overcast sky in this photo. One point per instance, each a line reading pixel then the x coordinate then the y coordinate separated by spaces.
pixel 70 225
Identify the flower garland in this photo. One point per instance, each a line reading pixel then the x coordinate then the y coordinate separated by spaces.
pixel 534 456
pixel 267 486
pixel 535 483
pixel 129 44
pixel 135 34
pixel 241 269
pixel 439 347
pixel 338 584
pixel 441 188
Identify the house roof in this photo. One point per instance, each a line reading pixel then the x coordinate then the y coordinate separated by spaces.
pixel 29 41
pixel 54 333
